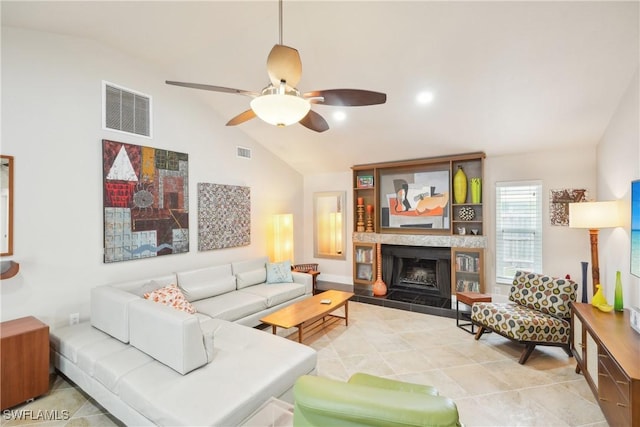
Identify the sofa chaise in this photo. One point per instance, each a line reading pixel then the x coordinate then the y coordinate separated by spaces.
pixel 152 364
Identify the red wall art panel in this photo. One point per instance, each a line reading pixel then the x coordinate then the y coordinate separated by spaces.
pixel 146 201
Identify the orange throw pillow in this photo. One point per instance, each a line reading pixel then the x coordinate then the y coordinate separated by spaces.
pixel 172 296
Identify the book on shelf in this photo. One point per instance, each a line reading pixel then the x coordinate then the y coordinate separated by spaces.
pixel 467 286
pixel 364 255
pixel 467 263
pixel 365 272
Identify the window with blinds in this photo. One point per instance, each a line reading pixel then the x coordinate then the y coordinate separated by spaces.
pixel 518 228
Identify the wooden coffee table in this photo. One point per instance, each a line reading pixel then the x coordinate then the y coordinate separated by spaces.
pixel 310 314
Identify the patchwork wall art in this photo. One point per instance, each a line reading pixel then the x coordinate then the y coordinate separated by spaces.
pixel 559 204
pixel 224 216
pixel 146 201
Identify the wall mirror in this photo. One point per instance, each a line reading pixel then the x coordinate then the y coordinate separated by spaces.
pixel 6 197
pixel 329 225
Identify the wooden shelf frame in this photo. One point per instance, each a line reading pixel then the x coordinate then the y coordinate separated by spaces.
pixel 364 263
pixel 472 164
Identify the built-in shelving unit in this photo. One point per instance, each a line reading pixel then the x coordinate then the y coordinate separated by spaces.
pixel 467 270
pixel 472 168
pixel 364 263
pixel 422 190
pixel 416 198
pixel 364 191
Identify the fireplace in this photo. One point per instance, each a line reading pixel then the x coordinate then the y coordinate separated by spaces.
pixel 417 274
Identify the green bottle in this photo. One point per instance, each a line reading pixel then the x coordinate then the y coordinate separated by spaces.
pixel 617 302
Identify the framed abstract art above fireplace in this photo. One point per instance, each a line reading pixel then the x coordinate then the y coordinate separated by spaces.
pixel 146 201
pixel 414 198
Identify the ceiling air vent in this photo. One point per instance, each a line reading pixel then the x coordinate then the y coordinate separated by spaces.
pixel 244 153
pixel 126 110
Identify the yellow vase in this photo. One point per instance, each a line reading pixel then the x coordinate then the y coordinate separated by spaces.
pixel 599 298
pixel 460 186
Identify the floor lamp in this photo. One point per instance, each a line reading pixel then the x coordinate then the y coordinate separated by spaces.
pixel 594 216
pixel 282 249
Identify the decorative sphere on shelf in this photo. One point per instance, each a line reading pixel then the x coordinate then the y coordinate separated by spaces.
pixel 467 213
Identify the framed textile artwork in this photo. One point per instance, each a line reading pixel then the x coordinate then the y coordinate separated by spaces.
pixel 224 216
pixel 146 201
pixel 559 204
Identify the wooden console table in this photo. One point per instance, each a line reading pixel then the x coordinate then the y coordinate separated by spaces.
pixel 607 351
pixel 24 360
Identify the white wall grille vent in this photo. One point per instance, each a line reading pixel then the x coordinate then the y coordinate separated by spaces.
pixel 243 152
pixel 126 110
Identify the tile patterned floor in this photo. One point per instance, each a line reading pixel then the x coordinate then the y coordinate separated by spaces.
pixel 483 377
pixel 64 405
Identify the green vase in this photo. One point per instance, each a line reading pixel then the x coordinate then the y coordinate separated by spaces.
pixel 460 186
pixel 617 300
pixel 476 190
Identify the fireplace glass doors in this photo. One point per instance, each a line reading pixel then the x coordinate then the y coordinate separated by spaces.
pixel 417 274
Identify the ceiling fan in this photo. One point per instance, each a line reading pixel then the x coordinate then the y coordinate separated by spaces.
pixel 281 103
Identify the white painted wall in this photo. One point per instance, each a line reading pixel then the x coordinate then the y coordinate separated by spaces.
pixel 618 165
pixel 51 123
pixel 563 248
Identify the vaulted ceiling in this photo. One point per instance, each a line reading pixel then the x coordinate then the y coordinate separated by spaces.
pixel 506 77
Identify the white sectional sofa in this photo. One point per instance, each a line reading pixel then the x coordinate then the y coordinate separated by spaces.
pixel 149 363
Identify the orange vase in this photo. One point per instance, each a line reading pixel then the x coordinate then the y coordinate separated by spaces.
pixel 379 287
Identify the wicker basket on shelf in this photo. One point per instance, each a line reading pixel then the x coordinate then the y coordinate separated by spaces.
pixel 305 267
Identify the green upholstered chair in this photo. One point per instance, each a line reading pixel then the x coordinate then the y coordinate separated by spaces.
pixel 367 400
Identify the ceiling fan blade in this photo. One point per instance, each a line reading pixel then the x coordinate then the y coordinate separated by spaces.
pixel 242 117
pixel 213 88
pixel 347 97
pixel 314 121
pixel 284 63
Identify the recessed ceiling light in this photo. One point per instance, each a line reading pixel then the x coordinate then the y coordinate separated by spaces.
pixel 339 115
pixel 424 97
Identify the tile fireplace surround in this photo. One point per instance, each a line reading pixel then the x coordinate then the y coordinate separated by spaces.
pixel 438 307
pixel 442 241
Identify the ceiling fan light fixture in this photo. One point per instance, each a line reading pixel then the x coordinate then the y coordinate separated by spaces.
pixel 280 109
pixel 280 103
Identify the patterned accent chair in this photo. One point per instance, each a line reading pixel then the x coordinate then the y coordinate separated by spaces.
pixel 538 313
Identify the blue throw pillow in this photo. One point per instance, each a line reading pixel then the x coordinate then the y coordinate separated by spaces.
pixel 279 272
